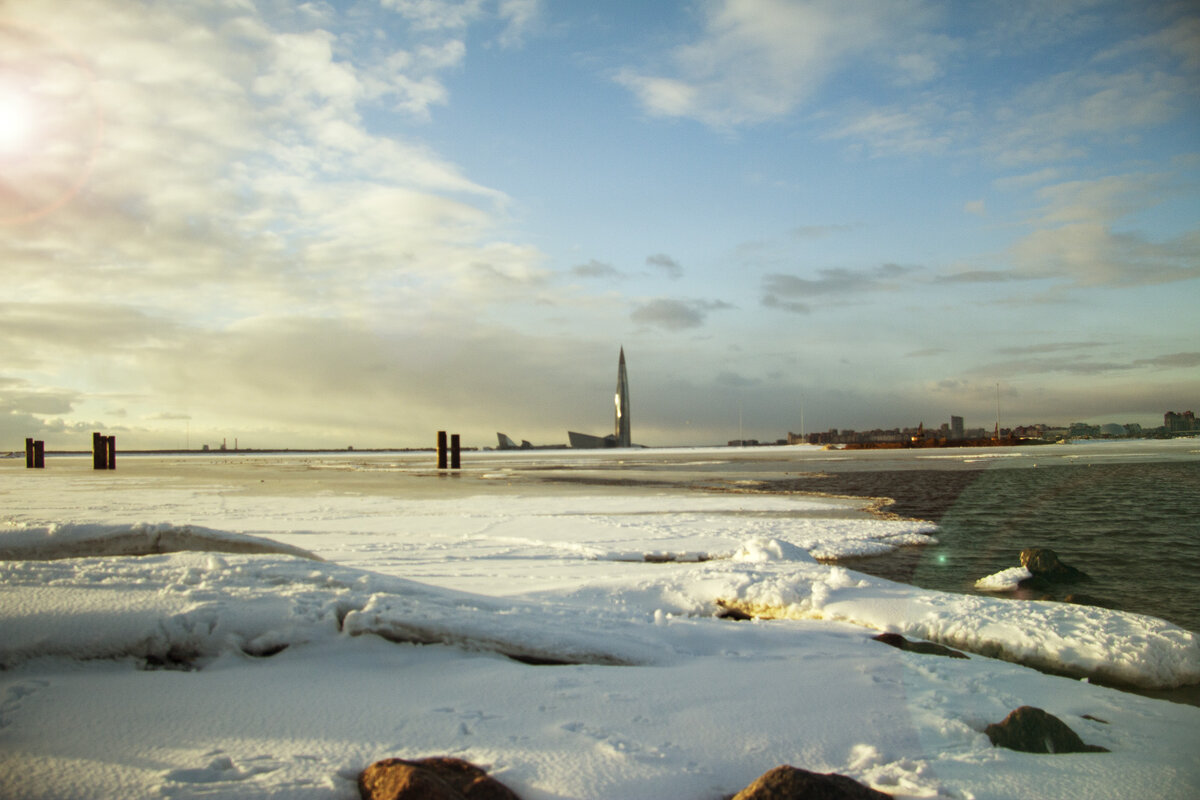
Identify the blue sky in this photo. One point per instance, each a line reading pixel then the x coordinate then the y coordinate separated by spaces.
pixel 356 223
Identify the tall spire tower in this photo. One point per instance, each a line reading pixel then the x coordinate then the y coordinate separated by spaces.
pixel 622 402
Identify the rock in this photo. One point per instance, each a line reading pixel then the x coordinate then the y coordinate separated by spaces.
pixel 728 612
pixel 437 778
pixel 791 783
pixel 1044 564
pixel 928 648
pixel 1032 730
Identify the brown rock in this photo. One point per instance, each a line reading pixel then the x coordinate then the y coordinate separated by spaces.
pixel 1032 730
pixel 1043 563
pixel 928 648
pixel 437 778
pixel 791 783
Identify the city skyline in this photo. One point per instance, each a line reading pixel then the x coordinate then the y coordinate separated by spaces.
pixel 358 222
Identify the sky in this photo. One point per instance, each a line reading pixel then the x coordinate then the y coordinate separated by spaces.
pixel 353 224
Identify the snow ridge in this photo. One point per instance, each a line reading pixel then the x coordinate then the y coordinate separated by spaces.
pixel 72 540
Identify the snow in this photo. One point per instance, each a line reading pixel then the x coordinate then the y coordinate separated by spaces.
pixel 67 540
pixel 289 627
pixel 1003 581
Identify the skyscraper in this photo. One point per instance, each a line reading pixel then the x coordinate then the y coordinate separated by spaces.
pixel 622 404
pixel 620 437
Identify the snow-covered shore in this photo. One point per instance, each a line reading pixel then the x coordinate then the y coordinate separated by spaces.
pixel 274 674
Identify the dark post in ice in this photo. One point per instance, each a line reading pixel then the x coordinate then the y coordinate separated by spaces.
pixel 35 454
pixel 104 451
pixel 455 452
pixel 99 448
pixel 441 450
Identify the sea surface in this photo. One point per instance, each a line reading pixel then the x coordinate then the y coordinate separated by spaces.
pixel 1134 529
pixel 1125 512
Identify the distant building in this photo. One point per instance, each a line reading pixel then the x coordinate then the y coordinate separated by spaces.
pixel 622 404
pixel 1174 422
pixel 506 443
pixel 621 435
pixel 956 427
pixel 586 441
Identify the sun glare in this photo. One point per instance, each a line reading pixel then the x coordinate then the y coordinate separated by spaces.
pixel 16 121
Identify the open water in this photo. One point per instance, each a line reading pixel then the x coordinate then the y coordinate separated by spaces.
pixel 1126 512
pixel 1134 529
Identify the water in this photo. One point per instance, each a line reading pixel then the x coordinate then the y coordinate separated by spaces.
pixel 1125 512
pixel 1134 528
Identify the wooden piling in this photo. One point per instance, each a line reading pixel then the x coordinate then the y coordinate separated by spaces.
pixel 111 451
pixel 39 454
pixel 455 452
pixel 29 453
pixel 99 451
pixel 441 450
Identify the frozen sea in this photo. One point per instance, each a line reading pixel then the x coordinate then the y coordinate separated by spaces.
pixel 265 626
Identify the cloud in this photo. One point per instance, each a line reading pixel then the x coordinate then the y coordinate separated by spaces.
pixel 1062 116
pixel 596 269
pixel 819 231
pixel 1171 361
pixel 37 333
pixel 976 207
pixel 223 165
pixel 757 60
pixel 668 265
pixel 981 276
pixel 1075 237
pixel 1029 179
pixel 520 18
pixel 21 397
pixel 275 380
pixel 517 17
pixel 1081 365
pixel 1101 200
pixel 734 380
pixel 1049 347
pixel 235 172
pixel 675 315
pixel 436 15
pixel 1180 40
pixel 919 128
pixel 832 282
pixel 1092 254
pixel 793 306
pixel 1109 99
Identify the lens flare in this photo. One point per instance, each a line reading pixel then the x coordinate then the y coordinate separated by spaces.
pixel 16 121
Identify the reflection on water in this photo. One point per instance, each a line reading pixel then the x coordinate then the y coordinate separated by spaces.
pixel 1133 528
